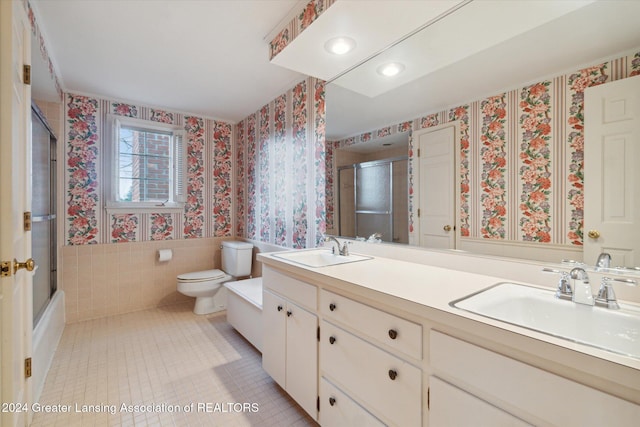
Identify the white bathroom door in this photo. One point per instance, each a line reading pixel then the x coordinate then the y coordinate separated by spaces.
pixel 15 199
pixel 612 172
pixel 437 187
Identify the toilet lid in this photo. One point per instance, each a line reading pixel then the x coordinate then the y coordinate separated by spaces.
pixel 200 276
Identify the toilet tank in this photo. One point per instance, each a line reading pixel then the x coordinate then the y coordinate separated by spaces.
pixel 236 258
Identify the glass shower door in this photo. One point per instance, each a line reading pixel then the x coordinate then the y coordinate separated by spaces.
pixel 43 214
pixel 374 200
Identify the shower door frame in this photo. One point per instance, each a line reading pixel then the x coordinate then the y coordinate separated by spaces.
pixel 355 167
pixel 52 215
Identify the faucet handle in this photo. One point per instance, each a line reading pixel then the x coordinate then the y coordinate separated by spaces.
pixel 606 295
pixel 564 286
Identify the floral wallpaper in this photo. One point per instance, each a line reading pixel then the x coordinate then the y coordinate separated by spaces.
pixel 81 170
pixel 281 171
pixel 493 183
pixel 535 155
pixel 222 178
pixel 208 209
pixel 510 144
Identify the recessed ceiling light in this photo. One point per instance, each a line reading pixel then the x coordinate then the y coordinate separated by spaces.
pixel 390 69
pixel 340 45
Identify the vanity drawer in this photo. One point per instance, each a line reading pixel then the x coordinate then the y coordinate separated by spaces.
pixel 402 335
pixel 371 375
pixel 338 410
pixel 294 289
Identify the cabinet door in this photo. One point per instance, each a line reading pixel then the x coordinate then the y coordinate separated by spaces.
pixel 450 406
pixel 274 320
pixel 302 357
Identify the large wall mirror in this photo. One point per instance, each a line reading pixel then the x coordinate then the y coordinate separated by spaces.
pixel 529 78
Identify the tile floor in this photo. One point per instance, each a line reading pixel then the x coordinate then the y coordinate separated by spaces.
pixel 162 359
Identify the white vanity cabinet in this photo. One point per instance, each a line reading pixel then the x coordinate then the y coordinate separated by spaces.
pixel 290 343
pixel 502 391
pixel 368 376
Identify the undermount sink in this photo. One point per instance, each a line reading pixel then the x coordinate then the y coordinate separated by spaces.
pixel 318 257
pixel 537 309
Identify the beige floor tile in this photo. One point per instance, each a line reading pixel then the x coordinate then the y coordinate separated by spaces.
pixel 179 368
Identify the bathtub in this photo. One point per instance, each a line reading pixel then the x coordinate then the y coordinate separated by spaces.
pixel 244 309
pixel 46 336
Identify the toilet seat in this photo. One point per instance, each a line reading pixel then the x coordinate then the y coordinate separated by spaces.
pixel 201 276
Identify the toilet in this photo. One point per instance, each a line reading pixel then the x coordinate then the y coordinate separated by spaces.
pixel 206 286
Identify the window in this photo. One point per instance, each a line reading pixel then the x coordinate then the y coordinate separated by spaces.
pixel 147 165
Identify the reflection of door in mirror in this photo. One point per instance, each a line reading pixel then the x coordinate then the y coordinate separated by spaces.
pixel 373 195
pixel 436 187
pixel 612 184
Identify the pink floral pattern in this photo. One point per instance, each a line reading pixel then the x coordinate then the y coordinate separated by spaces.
pixel 222 166
pixel 299 178
pixel 310 13
pixel 429 121
pixel 123 228
pixel 578 82
pixel 319 161
pixel 535 173
pixel 635 65
pixel 279 139
pixel 124 109
pixel 194 209
pixel 251 177
pixel 404 126
pixel 161 116
pixel 330 146
pixel 384 132
pixel 264 135
pixel 279 42
pixel 82 185
pixel 494 162
pixel 365 137
pixel 240 179
pixel 462 114
pixel 161 226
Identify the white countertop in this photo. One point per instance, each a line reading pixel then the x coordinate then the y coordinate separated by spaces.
pixel 434 288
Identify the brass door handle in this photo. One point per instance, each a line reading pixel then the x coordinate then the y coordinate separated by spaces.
pixel 447 228
pixel 28 264
pixel 594 234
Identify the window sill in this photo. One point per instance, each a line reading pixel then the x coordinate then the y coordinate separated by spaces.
pixel 122 208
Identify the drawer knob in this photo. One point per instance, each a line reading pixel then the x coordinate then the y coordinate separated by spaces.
pixel 332 401
pixel 332 340
pixel 289 313
pixel 279 308
pixel 332 307
pixel 393 334
pixel 392 374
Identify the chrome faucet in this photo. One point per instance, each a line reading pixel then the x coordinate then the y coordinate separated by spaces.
pixel 606 296
pixel 581 287
pixel 344 250
pixel 604 261
pixel 563 290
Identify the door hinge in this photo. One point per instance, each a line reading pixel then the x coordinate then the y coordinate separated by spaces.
pixel 318 403
pixel 418 212
pixel 26 74
pixel 318 334
pixel 27 367
pixel 428 398
pixel 27 221
pixel 5 268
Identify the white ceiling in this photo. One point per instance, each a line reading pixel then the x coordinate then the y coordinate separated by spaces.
pixel 210 57
pixel 206 57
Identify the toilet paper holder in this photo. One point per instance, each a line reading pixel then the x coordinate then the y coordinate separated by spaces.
pixel 165 255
